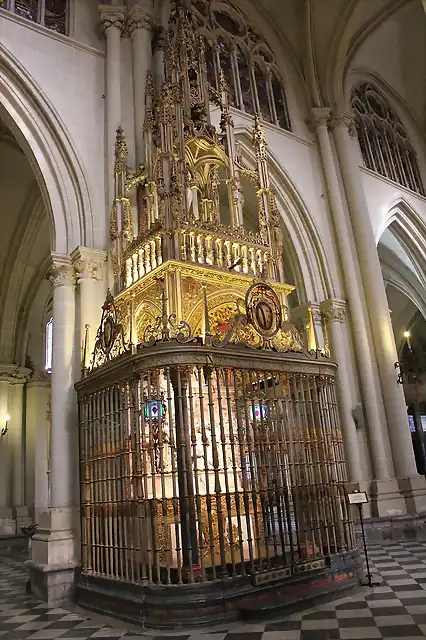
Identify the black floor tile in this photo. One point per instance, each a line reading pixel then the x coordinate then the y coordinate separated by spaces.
pixel 353 604
pixel 284 625
pixel 406 631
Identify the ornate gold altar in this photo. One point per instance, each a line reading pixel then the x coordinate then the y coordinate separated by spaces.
pixel 210 446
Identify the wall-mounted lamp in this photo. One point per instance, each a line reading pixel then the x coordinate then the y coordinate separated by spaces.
pixel 5 429
pixel 407 337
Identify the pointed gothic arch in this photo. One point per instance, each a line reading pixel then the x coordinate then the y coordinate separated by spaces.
pixel 48 147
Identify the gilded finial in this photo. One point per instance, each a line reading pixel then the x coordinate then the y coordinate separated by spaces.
pixel 258 137
pixel 121 152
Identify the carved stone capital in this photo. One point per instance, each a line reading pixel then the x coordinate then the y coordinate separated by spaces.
pixel 39 379
pixel 14 374
pixel 138 18
pixel 61 273
pixel 320 117
pixel 341 119
pixel 111 16
pixel 333 310
pixel 88 263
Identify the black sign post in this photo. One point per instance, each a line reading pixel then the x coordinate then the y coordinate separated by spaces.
pixel 358 498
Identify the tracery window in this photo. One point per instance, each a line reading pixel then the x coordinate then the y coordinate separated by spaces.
pixel 384 144
pixel 248 65
pixel 52 14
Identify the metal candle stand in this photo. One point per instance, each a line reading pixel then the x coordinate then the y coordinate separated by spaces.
pixel 358 498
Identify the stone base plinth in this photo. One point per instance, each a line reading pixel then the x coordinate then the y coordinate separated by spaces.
pixel 7 523
pixel 393 529
pixel 55 584
pixel 398 497
pixel 54 557
pixel 21 518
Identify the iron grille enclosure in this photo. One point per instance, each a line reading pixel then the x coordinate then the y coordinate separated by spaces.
pixel 210 475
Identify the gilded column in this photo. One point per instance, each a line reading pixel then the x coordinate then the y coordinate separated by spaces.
pixel 334 315
pixel 139 25
pixel 112 21
pixel 378 436
pixel 393 396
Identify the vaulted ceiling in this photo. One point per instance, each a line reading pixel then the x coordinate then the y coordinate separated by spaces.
pixel 327 39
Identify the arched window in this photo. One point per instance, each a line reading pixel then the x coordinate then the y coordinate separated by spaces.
pixel 384 144
pixel 48 349
pixel 53 14
pixel 247 63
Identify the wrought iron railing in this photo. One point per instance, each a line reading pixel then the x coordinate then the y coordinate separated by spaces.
pixel 192 473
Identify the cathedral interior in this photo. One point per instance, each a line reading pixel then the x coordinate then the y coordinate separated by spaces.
pixel 213 318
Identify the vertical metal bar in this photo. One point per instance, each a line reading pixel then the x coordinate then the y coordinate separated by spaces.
pixel 218 489
pixel 153 491
pixel 230 402
pixel 223 437
pixel 148 512
pixel 242 427
pixel 173 458
pixel 197 473
pixel 204 438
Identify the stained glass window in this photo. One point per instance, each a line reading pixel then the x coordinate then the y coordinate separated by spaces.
pixel 55 15
pixel 244 74
pixel 246 61
pixel 262 93
pixel 383 140
pixel 226 64
pixel 50 13
pixel 27 9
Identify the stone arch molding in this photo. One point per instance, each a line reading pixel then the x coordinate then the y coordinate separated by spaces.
pixel 51 154
pixel 410 231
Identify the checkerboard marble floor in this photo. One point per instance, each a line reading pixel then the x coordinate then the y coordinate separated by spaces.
pixel 395 609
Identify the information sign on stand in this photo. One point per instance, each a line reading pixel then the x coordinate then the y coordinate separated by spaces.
pixel 358 498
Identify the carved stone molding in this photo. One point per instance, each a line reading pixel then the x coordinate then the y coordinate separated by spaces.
pixel 333 310
pixel 138 18
pixel 111 16
pixel 88 263
pixel 61 272
pixel 347 120
pixel 320 117
pixel 39 379
pixel 14 374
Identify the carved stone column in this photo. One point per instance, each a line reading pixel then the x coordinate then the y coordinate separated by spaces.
pixel 89 267
pixel 307 318
pixel 334 314
pixel 139 26
pixel 393 396
pixel 17 444
pixel 112 21
pixel 373 401
pixel 55 545
pixel 6 521
pixel 37 433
